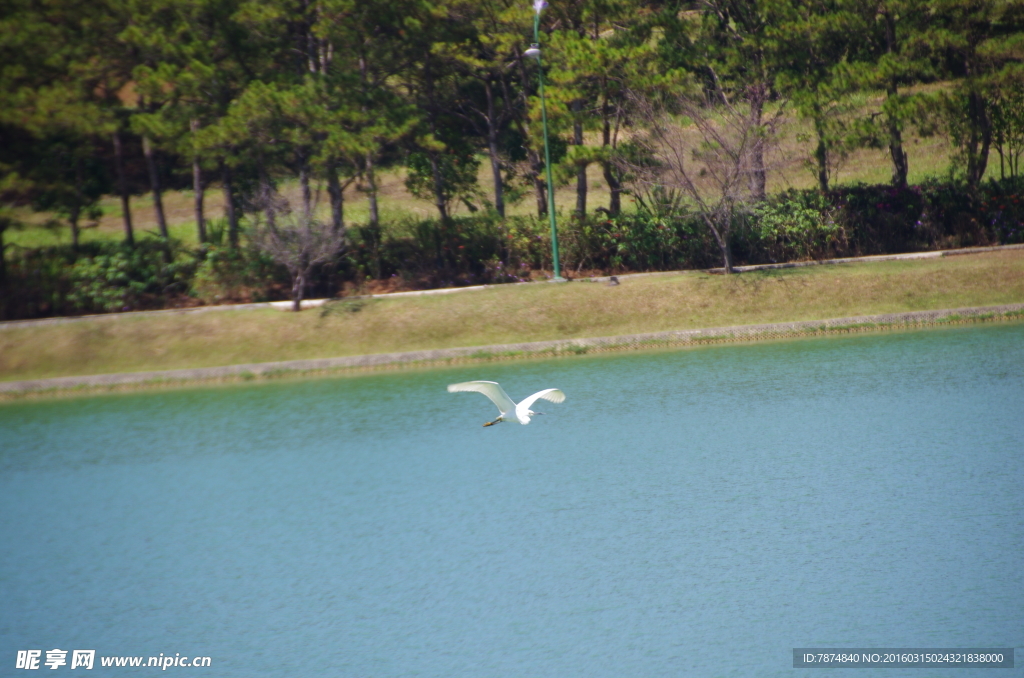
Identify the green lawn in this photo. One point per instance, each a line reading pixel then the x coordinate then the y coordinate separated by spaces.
pixel 510 313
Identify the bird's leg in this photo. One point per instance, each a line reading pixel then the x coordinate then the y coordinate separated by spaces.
pixel 492 423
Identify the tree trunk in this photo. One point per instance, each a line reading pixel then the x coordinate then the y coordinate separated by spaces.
pixel 540 189
pixel 73 220
pixel 435 164
pixel 337 195
pixel 198 190
pixel 980 139
pixel 307 196
pixel 900 162
pixel 298 286
pixel 998 141
pixel 492 149
pixel 727 258
pixel 435 171
pixel 821 155
pixel 229 208
pixel 614 185
pixel 371 181
pixel 267 193
pixel 371 190
pixel 122 189
pixel 154 182
pixel 758 174
pixel 76 208
pixel 3 258
pixel 821 152
pixel 499 189
pixel 722 240
pixel 581 169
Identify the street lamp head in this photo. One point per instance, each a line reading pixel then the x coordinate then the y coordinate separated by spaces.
pixel 533 52
pixel 539 5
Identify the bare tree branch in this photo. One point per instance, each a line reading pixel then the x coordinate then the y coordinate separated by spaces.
pixel 296 241
pixel 707 150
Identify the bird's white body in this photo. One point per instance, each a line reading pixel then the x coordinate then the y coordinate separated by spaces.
pixel 509 411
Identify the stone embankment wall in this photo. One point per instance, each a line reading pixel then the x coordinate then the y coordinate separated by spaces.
pixel 560 347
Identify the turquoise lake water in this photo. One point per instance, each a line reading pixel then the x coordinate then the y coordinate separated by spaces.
pixel 683 513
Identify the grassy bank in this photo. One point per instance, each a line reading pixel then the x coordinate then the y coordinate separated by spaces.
pixel 127 343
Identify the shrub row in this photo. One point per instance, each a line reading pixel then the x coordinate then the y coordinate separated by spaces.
pixel 793 225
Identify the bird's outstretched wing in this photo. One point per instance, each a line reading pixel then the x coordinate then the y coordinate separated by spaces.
pixel 489 389
pixel 552 394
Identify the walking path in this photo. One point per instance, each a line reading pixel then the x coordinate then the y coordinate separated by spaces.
pixel 529 349
pixel 312 303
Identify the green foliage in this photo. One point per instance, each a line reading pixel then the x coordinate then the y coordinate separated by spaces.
pixel 640 241
pixel 994 214
pixel 483 248
pixel 259 92
pixel 98 277
pixel 1002 210
pixel 458 174
pixel 469 250
pixel 1008 131
pixel 982 43
pixel 37 283
pixel 882 219
pixel 216 231
pixel 798 225
pixel 227 274
pixel 120 278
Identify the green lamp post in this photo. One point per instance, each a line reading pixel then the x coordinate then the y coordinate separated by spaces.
pixel 534 51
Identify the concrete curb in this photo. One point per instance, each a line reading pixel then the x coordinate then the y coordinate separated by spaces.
pixel 314 303
pixel 768 331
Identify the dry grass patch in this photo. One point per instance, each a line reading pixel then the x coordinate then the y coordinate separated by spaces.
pixel 508 314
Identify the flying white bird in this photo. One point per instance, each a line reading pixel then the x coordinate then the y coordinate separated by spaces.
pixel 508 409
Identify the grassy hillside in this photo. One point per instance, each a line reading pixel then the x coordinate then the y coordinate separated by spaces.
pixel 508 313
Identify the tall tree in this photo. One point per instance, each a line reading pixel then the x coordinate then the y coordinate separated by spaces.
pixel 195 58
pixel 737 65
pixel 52 103
pixel 486 69
pixel 808 43
pixel 607 54
pixel 887 53
pixel 122 188
pixel 981 42
pixel 441 157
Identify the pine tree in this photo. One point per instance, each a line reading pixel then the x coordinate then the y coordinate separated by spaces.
pixel 980 41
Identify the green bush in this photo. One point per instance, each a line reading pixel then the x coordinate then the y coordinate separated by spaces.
pixel 37 282
pixel 1002 210
pixel 226 274
pixel 468 250
pixel 662 234
pixel 639 241
pixel 798 225
pixel 121 278
pixel 995 215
